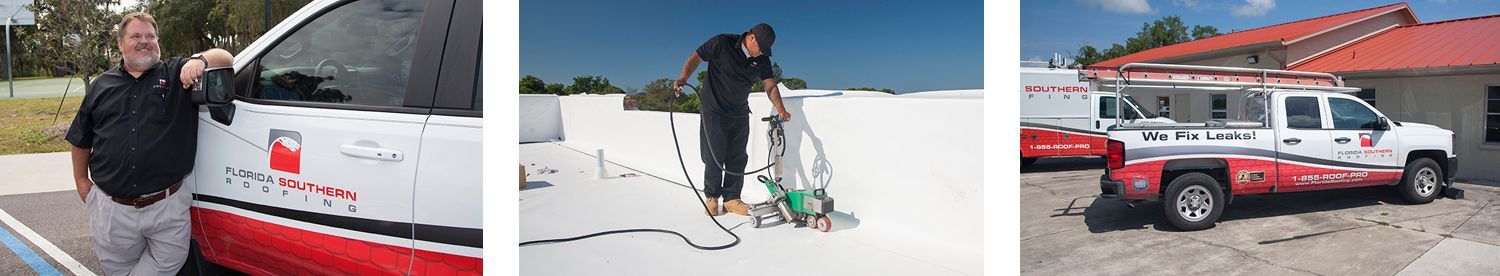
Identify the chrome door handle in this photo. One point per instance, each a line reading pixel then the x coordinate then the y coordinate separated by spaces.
pixel 1342 140
pixel 1292 141
pixel 374 153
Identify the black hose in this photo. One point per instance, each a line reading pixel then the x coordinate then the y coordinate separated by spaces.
pixel 671 119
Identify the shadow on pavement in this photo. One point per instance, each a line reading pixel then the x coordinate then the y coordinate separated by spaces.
pixel 1064 164
pixel 1106 215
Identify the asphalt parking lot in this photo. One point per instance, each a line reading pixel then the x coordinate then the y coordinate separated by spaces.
pixel 1357 231
pixel 57 217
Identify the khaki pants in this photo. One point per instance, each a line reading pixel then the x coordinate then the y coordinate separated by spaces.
pixel 145 241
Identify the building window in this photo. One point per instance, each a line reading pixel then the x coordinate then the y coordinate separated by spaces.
pixel 1492 116
pixel 1220 106
pixel 1367 94
pixel 1164 106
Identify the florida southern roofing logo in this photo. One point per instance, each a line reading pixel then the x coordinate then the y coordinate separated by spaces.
pixel 286 151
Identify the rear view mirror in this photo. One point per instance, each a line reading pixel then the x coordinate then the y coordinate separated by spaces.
pixel 1382 124
pixel 214 89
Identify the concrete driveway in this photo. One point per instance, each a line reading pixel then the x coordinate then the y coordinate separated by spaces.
pixel 1358 231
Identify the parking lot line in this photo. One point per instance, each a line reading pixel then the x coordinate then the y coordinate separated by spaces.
pixel 57 254
pixel 29 257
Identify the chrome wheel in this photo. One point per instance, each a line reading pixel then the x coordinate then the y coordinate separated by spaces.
pixel 1194 203
pixel 1427 182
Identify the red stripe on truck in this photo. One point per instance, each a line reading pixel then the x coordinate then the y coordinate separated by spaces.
pixel 1037 142
pixel 1285 176
pixel 263 248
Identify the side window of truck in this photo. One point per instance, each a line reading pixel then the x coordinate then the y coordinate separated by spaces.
pixel 359 53
pixel 1349 114
pixel 1303 112
pixel 1107 108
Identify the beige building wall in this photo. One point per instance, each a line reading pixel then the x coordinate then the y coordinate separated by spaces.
pixel 1455 103
pixel 1272 59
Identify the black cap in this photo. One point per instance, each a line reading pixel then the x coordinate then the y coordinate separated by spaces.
pixel 764 36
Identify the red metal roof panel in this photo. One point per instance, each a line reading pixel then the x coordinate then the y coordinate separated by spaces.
pixel 1459 42
pixel 1280 32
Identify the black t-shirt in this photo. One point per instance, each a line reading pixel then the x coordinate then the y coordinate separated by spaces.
pixel 730 76
pixel 143 132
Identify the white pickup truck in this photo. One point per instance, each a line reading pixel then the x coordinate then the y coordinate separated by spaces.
pixel 346 140
pixel 1292 135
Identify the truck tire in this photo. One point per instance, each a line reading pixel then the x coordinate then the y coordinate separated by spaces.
pixel 1194 202
pixel 1026 162
pixel 1421 182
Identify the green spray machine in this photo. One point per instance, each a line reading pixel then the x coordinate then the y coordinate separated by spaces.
pixel 809 207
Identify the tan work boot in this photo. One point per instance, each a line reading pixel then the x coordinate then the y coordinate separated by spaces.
pixel 713 206
pixel 738 207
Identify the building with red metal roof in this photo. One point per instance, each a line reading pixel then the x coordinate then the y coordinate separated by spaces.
pixel 1282 42
pixel 1444 73
pixel 1416 49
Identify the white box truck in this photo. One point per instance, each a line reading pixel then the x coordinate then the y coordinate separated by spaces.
pixel 1063 116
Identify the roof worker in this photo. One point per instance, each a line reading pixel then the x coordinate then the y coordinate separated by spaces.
pixel 134 139
pixel 735 62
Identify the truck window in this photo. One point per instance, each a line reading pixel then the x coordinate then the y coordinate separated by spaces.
pixel 1139 112
pixel 1255 108
pixel 1107 108
pixel 359 53
pixel 1350 114
pixel 1303 112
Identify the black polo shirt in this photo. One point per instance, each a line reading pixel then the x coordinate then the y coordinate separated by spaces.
pixel 143 132
pixel 730 75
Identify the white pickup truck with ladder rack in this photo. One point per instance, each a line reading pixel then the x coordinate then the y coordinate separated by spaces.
pixel 1297 131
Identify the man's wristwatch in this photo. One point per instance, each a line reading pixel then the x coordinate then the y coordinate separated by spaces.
pixel 199 56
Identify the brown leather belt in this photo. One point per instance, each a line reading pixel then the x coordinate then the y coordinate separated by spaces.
pixel 142 202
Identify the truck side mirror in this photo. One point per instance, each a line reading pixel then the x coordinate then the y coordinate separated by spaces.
pixel 214 89
pixel 1382 124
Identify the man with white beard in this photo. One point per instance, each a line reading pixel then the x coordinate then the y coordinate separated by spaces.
pixel 134 139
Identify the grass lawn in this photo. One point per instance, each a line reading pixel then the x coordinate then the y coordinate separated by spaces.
pixel 23 123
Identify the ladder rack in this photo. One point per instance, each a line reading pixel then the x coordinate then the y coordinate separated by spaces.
pixel 1211 78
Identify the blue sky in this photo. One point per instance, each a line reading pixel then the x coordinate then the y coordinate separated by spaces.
pixel 902 45
pixel 1061 26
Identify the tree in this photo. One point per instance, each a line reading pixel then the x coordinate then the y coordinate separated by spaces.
pixel 533 85
pixel 1162 32
pixel 657 95
pixel 556 89
pixel 775 73
pixel 1201 32
pixel 75 34
pixel 794 83
pixel 592 85
pixel 886 90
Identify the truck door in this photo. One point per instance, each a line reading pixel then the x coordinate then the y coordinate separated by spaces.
pixel 314 173
pixel 1371 153
pixel 1301 144
pixel 448 221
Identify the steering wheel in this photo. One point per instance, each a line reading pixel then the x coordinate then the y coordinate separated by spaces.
pixel 330 62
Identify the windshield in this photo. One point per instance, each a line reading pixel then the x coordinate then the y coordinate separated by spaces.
pixel 1137 106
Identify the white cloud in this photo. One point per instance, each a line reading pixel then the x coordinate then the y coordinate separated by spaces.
pixel 1254 8
pixel 1190 4
pixel 1121 6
